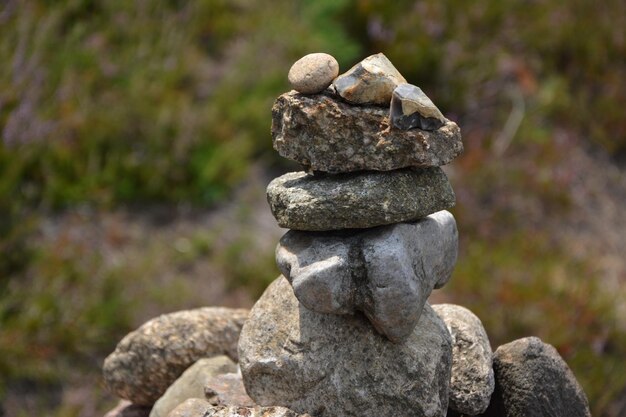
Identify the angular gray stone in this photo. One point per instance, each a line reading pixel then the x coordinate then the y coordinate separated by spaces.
pixel 191 383
pixel 326 134
pixel 201 408
pixel 386 272
pixel 472 381
pixel 532 380
pixel 357 200
pixel 227 389
pixel 332 365
pixel 148 360
pixel 371 81
pixel 313 73
pixel 411 108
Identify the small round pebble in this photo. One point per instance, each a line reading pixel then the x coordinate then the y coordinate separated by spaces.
pixel 312 73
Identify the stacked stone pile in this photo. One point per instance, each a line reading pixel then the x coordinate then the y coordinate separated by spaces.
pixel 346 330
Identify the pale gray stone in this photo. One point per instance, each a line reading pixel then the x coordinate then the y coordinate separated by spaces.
pixel 148 360
pixel 191 383
pixel 371 81
pixel 200 408
pixel 472 381
pixel 387 272
pixel 357 200
pixel 125 408
pixel 337 365
pixel 313 73
pixel 532 380
pixel 326 134
pixel 411 108
pixel 227 389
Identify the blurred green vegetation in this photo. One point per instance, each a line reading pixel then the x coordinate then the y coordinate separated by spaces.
pixel 115 103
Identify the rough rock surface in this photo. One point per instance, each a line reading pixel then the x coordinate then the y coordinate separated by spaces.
pixel 371 81
pixel 326 134
pixel 125 408
pixel 201 408
pixel 386 272
pixel 357 200
pixel 191 383
pixel 332 365
pixel 472 381
pixel 313 73
pixel 532 380
pixel 411 108
pixel 227 389
pixel 148 360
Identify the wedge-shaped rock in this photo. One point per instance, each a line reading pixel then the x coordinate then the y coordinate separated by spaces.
pixel 411 108
pixel 191 383
pixel 148 360
pixel 357 200
pixel 371 81
pixel 532 380
pixel 326 134
pixel 330 365
pixel 472 381
pixel 386 272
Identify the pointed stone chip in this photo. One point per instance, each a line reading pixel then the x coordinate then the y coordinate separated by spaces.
pixel 326 134
pixel 357 200
pixel 371 81
pixel 411 108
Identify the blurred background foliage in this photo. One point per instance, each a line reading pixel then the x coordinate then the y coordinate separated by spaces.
pixel 148 106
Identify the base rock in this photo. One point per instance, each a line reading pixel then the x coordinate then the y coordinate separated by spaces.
pixel 200 408
pixel 532 380
pixel 147 361
pixel 472 381
pixel 329 365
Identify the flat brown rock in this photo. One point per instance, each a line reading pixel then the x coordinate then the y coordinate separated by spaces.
pixel 324 133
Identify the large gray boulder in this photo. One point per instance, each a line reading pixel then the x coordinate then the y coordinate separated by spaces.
pixel 532 380
pixel 148 360
pixel 387 272
pixel 332 365
pixel 325 134
pixel 472 381
pixel 191 384
pixel 357 200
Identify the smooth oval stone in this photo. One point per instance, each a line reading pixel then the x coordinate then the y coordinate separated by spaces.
pixel 329 365
pixel 358 200
pixel 312 73
pixel 371 81
pixel 411 108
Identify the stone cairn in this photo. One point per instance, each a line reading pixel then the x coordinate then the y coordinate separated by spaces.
pixel 347 329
